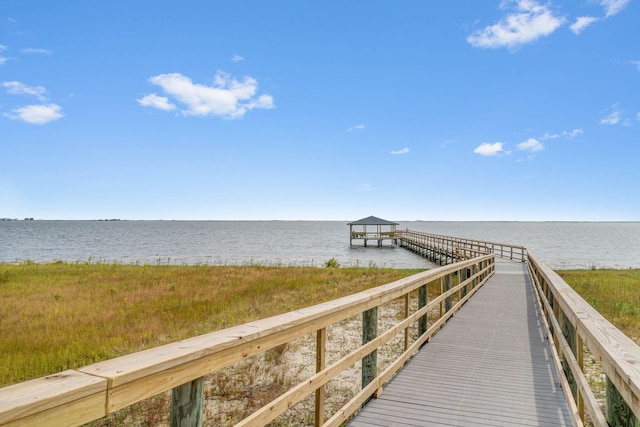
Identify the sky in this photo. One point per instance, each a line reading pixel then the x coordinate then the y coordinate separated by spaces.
pixel 516 110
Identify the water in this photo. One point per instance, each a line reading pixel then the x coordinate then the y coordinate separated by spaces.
pixel 561 245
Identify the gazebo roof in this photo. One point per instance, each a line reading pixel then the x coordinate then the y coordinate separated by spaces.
pixel 372 220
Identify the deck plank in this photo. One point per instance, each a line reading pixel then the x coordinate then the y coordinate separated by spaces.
pixel 491 365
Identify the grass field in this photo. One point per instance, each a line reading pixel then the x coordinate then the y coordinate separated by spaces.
pixel 58 316
pixel 614 293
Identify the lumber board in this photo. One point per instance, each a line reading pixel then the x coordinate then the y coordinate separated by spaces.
pixel 70 397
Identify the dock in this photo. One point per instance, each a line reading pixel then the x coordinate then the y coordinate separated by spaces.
pixel 490 366
pixel 492 337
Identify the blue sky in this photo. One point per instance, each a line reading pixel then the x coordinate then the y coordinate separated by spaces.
pixel 337 110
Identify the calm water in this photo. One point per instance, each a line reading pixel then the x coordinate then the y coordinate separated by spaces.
pixel 301 243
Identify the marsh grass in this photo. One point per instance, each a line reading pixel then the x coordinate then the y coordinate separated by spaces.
pixel 60 316
pixel 613 293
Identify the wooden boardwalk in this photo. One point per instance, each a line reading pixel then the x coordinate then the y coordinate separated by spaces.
pixel 491 365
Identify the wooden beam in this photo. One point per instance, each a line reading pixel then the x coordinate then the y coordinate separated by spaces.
pixel 369 332
pixel 187 404
pixel 321 363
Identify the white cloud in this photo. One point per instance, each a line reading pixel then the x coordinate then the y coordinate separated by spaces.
pixel 17 88
pixel 636 63
pixel 3 59
pixel 573 133
pixel 38 51
pixel 531 144
pixel 612 7
pixel 489 149
pixel 359 127
pixel 566 134
pixel 447 143
pixel 37 114
pixel 614 117
pixel 155 101
pixel 583 22
pixel 528 22
pixel 405 150
pixel 550 136
pixel 226 97
pixel 237 58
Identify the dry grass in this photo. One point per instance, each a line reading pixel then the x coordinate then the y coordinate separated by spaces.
pixel 59 316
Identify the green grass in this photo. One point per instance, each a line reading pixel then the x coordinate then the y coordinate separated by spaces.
pixel 60 316
pixel 614 293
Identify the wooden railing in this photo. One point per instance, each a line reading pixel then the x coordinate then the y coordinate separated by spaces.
pixel 576 329
pixel 462 247
pixel 81 395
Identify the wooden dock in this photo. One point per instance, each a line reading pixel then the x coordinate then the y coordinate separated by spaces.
pixel 490 355
pixel 490 366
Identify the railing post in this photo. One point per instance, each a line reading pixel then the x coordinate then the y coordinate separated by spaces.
pixel 406 314
pixel 618 412
pixel 321 345
pixel 441 292
pixel 447 286
pixel 463 276
pixel 187 404
pixel 474 270
pixel 422 301
pixel 569 333
pixel 580 360
pixel 369 332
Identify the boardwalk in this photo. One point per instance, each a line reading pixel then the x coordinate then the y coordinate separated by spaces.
pixel 491 365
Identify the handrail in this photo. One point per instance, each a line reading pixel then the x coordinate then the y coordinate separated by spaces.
pixel 503 250
pixel 575 326
pixel 78 396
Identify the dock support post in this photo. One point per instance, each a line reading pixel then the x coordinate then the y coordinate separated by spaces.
pixel 447 286
pixel 474 270
pixel 464 274
pixel 369 332
pixel 187 404
pixel 406 314
pixel 422 301
pixel 618 412
pixel 569 333
pixel 321 345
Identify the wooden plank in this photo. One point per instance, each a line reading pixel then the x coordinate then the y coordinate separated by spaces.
pixel 66 398
pixel 491 365
pixel 617 354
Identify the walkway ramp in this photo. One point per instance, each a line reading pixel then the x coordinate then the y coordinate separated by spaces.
pixel 491 365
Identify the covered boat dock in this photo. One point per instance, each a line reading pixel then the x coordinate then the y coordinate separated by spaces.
pixel 372 228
